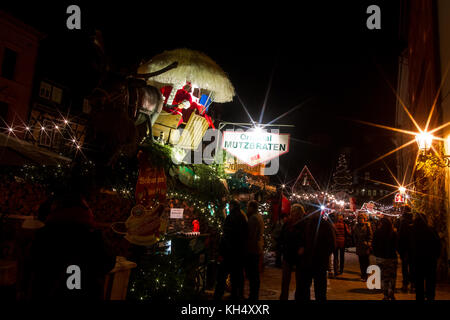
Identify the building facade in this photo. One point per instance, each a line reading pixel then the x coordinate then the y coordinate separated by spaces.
pixel 18 53
pixel 423 89
pixel 51 125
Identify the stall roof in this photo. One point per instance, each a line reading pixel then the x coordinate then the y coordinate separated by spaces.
pixel 14 151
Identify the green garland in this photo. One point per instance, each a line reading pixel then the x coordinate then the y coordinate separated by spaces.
pixel 158 277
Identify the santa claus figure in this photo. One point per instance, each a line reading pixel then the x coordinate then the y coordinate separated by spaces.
pixel 184 103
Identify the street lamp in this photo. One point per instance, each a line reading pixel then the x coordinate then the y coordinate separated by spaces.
pixel 424 141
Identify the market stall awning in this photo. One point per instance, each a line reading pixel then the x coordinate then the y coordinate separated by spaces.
pixel 14 151
pixel 193 66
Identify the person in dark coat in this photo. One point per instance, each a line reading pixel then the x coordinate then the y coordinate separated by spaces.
pixel 289 247
pixel 362 235
pixel 232 253
pixel 70 238
pixel 317 241
pixel 281 208
pixel 385 250
pixel 405 235
pixel 426 248
pixel 255 248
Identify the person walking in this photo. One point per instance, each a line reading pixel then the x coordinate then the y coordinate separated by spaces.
pixel 232 253
pixel 385 251
pixel 317 240
pixel 255 247
pixel 426 248
pixel 405 235
pixel 342 231
pixel 362 235
pixel 289 245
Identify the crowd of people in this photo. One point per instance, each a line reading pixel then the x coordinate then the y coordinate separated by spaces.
pixel 309 241
pixel 312 243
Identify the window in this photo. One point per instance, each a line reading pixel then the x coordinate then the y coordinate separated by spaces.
pixel 57 95
pixel 3 110
pixel 374 193
pixel 369 193
pixel 9 64
pixel 45 90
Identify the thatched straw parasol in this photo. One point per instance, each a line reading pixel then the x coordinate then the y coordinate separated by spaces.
pixel 193 66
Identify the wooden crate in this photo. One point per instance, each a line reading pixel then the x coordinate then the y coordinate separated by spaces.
pixel 193 133
pixel 167 123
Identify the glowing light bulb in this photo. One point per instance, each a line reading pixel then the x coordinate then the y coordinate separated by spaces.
pixel 322 207
pixel 27 128
pixel 56 127
pixel 11 130
pixel 42 128
pixel 402 189
pixel 424 141
pixel 65 121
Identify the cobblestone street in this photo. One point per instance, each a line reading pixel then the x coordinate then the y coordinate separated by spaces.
pixel 347 286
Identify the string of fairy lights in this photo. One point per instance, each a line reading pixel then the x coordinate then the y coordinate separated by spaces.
pixel 330 203
pixel 61 126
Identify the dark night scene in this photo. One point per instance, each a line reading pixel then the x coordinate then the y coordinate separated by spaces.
pixel 224 156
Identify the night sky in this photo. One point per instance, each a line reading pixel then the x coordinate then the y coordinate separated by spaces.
pixel 322 52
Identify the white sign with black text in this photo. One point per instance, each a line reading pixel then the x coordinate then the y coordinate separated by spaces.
pixel 176 213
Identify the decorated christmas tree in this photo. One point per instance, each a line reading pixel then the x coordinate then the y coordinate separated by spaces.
pixel 342 178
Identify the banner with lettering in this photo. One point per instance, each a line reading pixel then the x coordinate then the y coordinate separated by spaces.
pixel 151 184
